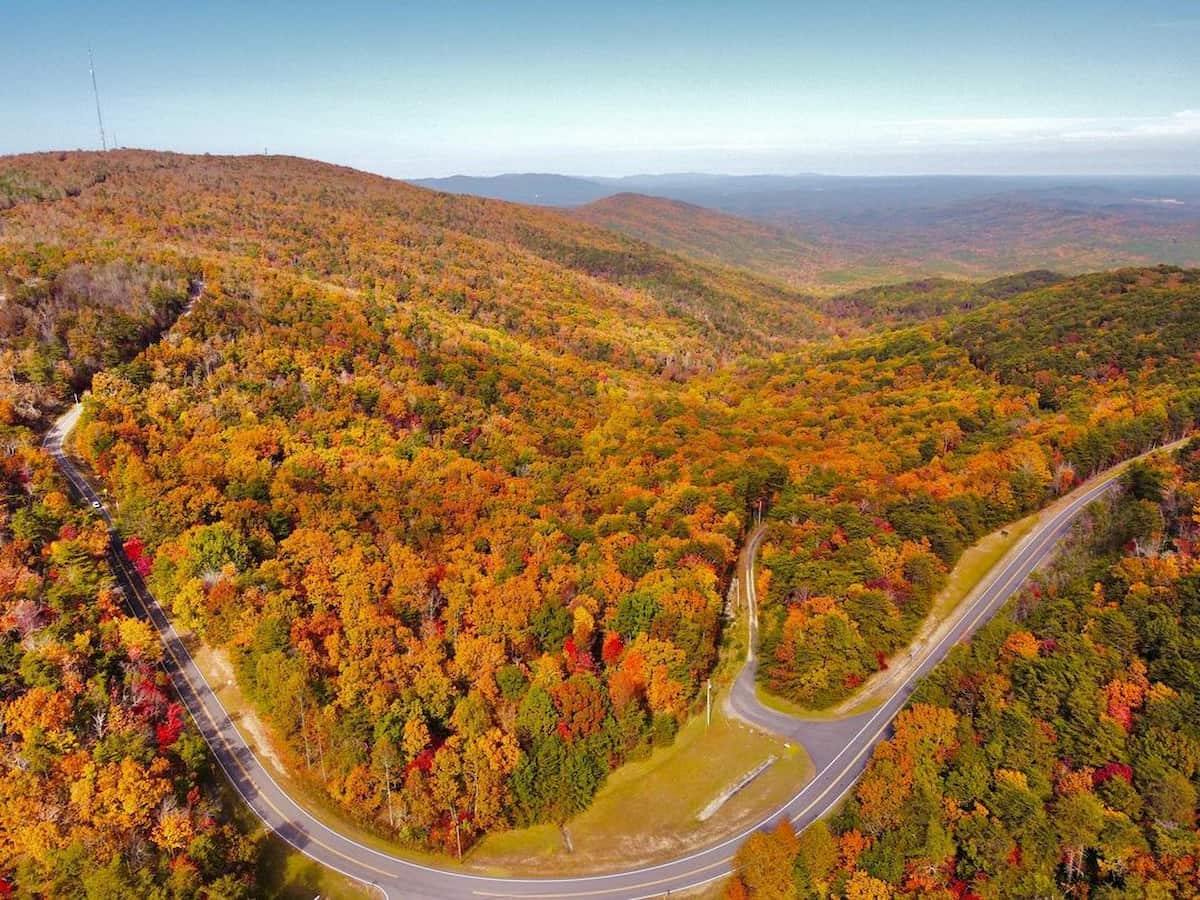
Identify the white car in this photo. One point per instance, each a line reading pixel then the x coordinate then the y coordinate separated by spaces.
pixel 95 504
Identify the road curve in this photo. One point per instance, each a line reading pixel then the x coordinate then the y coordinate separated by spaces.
pixel 839 749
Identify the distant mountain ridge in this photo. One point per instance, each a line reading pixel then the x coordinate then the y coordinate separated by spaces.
pixel 550 189
pixel 762 196
pixel 830 234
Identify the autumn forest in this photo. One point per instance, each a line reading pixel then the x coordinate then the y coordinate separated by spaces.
pixel 459 488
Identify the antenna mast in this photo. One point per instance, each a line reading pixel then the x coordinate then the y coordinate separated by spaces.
pixel 96 94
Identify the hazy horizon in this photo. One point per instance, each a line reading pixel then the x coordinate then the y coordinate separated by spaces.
pixel 699 173
pixel 1084 88
pixel 635 174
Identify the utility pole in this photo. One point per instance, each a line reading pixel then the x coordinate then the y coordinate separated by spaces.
pixel 96 94
pixel 304 733
pixel 387 781
pixel 708 714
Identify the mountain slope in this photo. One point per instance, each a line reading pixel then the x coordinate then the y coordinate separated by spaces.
pixel 1065 339
pixel 708 236
pixel 994 412
pixel 930 298
pixel 855 232
pixel 515 267
pixel 717 238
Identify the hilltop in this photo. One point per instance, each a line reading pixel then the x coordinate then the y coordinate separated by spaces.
pixel 520 269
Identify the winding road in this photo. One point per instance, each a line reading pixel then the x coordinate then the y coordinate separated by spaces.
pixel 839 749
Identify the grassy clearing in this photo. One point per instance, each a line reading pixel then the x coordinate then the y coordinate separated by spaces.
pixel 788 708
pixel 288 874
pixel 646 812
pixel 976 562
pixel 852 706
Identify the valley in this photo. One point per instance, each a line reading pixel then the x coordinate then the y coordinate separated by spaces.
pixel 829 234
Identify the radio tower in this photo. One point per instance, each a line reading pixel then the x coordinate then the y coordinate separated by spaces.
pixel 96 94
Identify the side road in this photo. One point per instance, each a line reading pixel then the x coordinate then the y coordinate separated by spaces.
pixel 826 736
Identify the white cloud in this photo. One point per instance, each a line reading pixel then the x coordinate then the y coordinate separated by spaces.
pixel 1036 130
pixel 1168 143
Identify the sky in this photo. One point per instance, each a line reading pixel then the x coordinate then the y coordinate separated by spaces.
pixel 612 88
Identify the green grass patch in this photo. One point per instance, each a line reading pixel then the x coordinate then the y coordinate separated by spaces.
pixel 283 871
pixel 286 873
pixel 788 708
pixel 976 562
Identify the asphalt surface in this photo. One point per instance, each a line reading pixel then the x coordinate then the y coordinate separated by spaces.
pixel 839 749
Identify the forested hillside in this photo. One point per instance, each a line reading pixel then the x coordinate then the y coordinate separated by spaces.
pixel 1134 326
pixel 993 415
pixel 930 298
pixel 61 320
pixel 459 485
pixel 105 787
pixel 828 235
pixel 711 236
pixel 517 268
pixel 1056 754
pixel 372 464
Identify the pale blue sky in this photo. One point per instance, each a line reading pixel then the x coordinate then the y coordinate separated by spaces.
pixel 423 89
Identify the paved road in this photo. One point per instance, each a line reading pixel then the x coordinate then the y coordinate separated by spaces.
pixel 839 749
